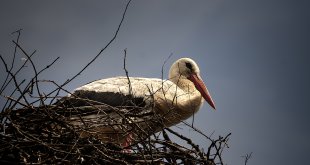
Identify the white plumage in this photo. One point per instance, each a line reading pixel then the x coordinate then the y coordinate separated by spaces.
pixel 173 100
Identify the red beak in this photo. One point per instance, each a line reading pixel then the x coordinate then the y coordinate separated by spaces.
pixel 201 87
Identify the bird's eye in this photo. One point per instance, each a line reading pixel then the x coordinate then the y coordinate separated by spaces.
pixel 189 65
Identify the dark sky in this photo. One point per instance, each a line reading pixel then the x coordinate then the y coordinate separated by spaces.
pixel 253 55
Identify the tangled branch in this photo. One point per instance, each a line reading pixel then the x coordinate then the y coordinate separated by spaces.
pixel 60 133
pixel 36 130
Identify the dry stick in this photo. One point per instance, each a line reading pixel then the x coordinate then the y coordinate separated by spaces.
pixel 30 84
pixel 176 148
pixel 16 101
pixel 71 148
pixel 162 76
pixel 11 95
pixel 15 48
pixel 178 151
pixel 10 100
pixel 224 141
pixel 32 138
pixel 150 148
pixel 129 84
pixel 193 111
pixel 7 83
pixel 109 157
pixel 162 67
pixel 29 87
pixel 189 141
pixel 29 136
pixel 140 150
pixel 167 138
pixel 218 148
pixel 213 145
pixel 246 158
pixel 34 69
pixel 100 52
pixel 126 72
pixel 197 130
pixel 59 88
pixel 13 61
pixel 48 66
pixel 16 84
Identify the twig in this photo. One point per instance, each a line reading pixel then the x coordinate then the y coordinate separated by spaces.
pixel 189 141
pixel 22 94
pixel 15 48
pixel 11 95
pixel 5 84
pixel 246 158
pixel 13 61
pixel 129 83
pixel 162 67
pixel 100 52
pixel 197 130
pixel 33 66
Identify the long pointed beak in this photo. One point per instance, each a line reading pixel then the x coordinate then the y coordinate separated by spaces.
pixel 201 87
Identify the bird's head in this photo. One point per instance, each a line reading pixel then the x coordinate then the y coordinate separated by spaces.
pixel 186 68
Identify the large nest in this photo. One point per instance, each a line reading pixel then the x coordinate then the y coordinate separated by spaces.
pixel 34 130
pixel 46 135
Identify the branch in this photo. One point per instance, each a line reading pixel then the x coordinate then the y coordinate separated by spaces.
pixel 100 52
pixel 33 66
pixel 5 84
pixel 22 93
pixel 129 83
pixel 15 48
pixel 247 157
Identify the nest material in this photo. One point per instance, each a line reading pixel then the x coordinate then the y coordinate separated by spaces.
pixel 46 135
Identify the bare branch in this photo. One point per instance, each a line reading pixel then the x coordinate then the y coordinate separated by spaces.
pixel 100 52
pixel 246 158
pixel 129 83
pixel 15 48
pixel 5 84
pixel 33 66
pixel 22 93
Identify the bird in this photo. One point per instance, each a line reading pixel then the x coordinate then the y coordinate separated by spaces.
pixel 135 107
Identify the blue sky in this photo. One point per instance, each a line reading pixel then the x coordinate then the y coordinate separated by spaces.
pixel 253 55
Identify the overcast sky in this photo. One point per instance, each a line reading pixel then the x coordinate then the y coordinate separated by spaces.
pixel 253 55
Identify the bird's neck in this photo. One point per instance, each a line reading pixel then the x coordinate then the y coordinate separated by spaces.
pixel 181 102
pixel 185 84
pixel 192 100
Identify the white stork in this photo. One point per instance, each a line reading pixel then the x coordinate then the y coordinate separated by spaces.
pixel 173 100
